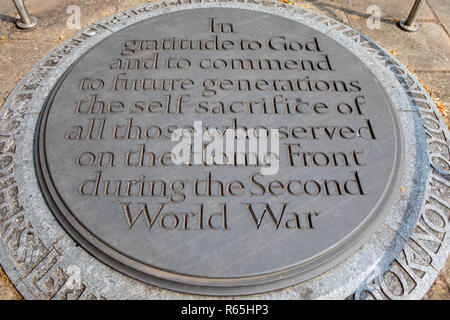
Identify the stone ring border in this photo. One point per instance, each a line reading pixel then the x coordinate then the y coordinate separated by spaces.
pixel 400 261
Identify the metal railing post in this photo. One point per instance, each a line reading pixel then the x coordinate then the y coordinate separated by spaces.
pixel 410 23
pixel 25 21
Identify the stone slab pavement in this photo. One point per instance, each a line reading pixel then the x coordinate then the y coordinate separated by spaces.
pixel 426 52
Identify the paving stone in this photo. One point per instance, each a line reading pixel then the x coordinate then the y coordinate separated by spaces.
pixel 16 58
pixel 438 84
pixel 5 89
pixel 441 8
pixel 7 291
pixel 8 9
pixel 53 17
pixel 440 290
pixel 6 22
pixel 426 49
pixel 331 8
pixel 125 4
pixel 389 9
pixel 7 17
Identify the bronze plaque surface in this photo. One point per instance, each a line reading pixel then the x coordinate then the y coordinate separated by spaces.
pixel 226 221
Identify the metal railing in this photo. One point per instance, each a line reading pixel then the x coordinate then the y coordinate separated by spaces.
pixel 25 21
pixel 410 23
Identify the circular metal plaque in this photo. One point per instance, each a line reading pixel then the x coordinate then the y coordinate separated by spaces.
pixel 231 221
